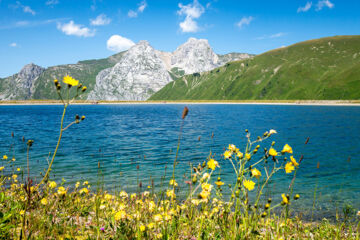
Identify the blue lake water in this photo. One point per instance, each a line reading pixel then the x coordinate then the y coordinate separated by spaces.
pixel 122 137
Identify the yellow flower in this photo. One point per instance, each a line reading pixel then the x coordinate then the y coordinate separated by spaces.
pixel 70 81
pixel 293 160
pixel 249 185
pixel 239 154
pixel 219 183
pixel 151 206
pixel 151 225
pixel 227 154
pixel 22 212
pixel 272 131
pixel 5 157
pixel 232 147
pixel 206 186
pixel 289 167
pixel 52 184
pixel 2 168
pixel 120 215
pixel 205 176
pixel 123 194
pixel 61 190
pixel 173 182
pixel 170 193
pixel 13 159
pixel 158 218
pixel 256 173
pixel 108 197
pixel 272 152
pixel 287 149
pixel 247 156
pixel 84 190
pixel 204 194
pixel 285 200
pixel 44 201
pixel 18 169
pixel 133 196
pixel 212 164
pixel 77 184
pixel 142 228
pixel 14 176
pixel 86 183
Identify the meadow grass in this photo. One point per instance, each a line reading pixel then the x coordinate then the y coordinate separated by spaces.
pixel 55 210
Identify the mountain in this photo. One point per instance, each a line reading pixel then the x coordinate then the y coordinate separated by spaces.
pixel 131 75
pixel 323 69
pixel 20 85
pixel 143 70
pixel 138 74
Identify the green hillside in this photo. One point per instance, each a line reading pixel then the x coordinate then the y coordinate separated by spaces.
pixel 84 70
pixel 321 69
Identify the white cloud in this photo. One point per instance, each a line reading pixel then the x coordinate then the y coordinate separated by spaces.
pixel 305 8
pixel 26 9
pixel 100 20
pixel 141 7
pixel 276 35
pixel 13 44
pixel 191 11
pixel 324 3
pixel 118 43
pixel 75 29
pixel 52 2
pixel 245 21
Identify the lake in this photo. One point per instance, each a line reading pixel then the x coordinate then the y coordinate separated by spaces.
pixel 122 138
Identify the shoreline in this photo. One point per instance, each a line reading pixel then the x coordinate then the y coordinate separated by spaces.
pixel 184 102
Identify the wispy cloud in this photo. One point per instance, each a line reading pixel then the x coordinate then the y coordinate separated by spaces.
pixel 245 21
pixel 118 43
pixel 19 24
pixel 276 35
pixel 305 8
pixel 51 3
pixel 141 7
pixel 191 12
pixel 26 9
pixel 100 20
pixel 14 44
pixel 75 29
pixel 324 3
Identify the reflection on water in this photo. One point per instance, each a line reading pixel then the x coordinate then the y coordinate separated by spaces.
pixel 122 137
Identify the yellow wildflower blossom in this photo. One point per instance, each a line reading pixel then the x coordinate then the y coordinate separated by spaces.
pixel 14 176
pixel 5 157
pixel 293 160
pixel 22 212
pixel 120 215
pixel 44 201
pixel 52 184
pixel 18 169
pixel 227 154
pixel 158 218
pixel 86 183
pixel 206 186
pixel 151 206
pixel 77 184
pixel 151 225
pixel 84 190
pixel 239 154
pixel 142 228
pixel 247 156
pixel 61 190
pixel 212 164
pixel 271 132
pixel 170 193
pixel 204 194
pixel 205 176
pixel 2 168
pixel 70 81
pixel 232 147
pixel 249 185
pixel 289 167
pixel 173 182
pixel 272 152
pixel 133 196
pixel 13 159
pixel 287 149
pixel 285 200
pixel 256 173
pixel 219 183
pixel 123 194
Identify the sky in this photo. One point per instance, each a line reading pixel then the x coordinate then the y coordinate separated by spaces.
pixel 53 32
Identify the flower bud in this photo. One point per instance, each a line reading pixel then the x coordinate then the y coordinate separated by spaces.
pixel 264 214
pixel 84 89
pixel 296 197
pixel 82 118
pixel 269 200
pixel 267 206
pixel 77 117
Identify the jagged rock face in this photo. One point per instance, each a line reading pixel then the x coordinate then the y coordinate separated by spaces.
pixel 138 74
pixel 21 85
pixel 193 56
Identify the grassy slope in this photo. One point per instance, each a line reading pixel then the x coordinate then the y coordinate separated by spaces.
pixel 327 68
pixel 84 71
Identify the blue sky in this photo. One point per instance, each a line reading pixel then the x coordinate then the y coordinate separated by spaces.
pixel 52 32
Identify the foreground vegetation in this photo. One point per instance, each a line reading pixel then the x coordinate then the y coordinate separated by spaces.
pixel 54 210
pixel 320 69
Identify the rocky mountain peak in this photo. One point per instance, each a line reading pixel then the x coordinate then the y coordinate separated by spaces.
pixel 28 74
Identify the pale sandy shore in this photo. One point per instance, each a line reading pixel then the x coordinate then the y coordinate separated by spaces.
pixel 267 102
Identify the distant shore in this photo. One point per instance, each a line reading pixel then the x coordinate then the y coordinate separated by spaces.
pixel 245 102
